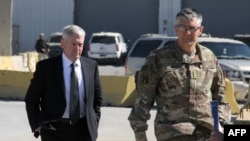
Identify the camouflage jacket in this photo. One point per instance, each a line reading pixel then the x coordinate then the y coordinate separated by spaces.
pixel 182 89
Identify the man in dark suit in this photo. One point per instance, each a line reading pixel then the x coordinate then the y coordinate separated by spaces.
pixel 48 99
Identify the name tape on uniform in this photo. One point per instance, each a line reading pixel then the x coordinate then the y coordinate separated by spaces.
pixel 237 132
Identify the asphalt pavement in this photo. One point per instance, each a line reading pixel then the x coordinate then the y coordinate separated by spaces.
pixel 114 125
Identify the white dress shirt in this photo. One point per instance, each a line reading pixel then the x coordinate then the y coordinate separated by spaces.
pixel 66 74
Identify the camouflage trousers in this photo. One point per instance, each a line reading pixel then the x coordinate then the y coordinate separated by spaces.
pixel 200 134
pixel 189 138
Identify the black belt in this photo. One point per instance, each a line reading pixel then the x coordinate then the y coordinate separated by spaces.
pixel 68 121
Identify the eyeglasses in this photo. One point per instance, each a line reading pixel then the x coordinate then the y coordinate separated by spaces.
pixel 186 28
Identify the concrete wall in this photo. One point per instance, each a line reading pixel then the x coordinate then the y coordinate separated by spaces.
pixel 17 71
pixel 117 90
pixel 5 27
pixel 24 62
pixel 13 84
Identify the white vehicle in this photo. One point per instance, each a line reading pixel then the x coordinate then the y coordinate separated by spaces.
pixel 107 47
pixel 234 59
pixel 233 56
pixel 141 48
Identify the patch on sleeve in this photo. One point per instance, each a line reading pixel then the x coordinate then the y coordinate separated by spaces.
pixel 144 79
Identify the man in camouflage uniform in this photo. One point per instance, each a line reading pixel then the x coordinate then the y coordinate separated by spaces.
pixel 182 78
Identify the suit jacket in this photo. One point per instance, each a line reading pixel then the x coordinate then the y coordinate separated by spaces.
pixel 45 99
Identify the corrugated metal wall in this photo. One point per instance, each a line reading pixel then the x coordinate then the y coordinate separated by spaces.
pixel 129 17
pixel 5 27
pixel 167 12
pixel 132 18
pixel 223 18
pixel 36 16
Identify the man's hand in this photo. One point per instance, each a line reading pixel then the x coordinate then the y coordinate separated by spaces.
pixel 37 131
pixel 140 136
pixel 216 136
pixel 44 50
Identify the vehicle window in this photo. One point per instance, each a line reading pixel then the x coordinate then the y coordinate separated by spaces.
pixel 103 39
pixel 55 39
pixel 168 43
pixel 119 39
pixel 243 38
pixel 232 50
pixel 56 49
pixel 122 39
pixel 143 47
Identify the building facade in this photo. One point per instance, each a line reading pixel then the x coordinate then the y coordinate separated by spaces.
pixel 132 18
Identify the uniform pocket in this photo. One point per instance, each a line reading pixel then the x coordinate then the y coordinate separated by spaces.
pixel 173 79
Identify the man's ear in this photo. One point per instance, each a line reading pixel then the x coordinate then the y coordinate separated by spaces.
pixel 175 29
pixel 201 29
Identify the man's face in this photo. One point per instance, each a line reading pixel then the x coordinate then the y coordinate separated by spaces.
pixel 73 46
pixel 41 37
pixel 188 32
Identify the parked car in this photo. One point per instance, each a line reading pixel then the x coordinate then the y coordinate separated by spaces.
pixel 243 37
pixel 107 47
pixel 234 59
pixel 233 56
pixel 141 48
pixel 54 44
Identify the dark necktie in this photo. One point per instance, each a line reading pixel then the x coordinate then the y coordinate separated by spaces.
pixel 74 96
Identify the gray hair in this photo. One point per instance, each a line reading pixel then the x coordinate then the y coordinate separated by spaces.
pixel 41 35
pixel 189 14
pixel 71 30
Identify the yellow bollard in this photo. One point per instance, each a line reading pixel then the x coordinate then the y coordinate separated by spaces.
pixel 230 98
pixel 246 105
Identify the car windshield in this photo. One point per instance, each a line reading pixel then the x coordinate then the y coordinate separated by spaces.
pixel 143 47
pixel 55 39
pixel 103 39
pixel 228 50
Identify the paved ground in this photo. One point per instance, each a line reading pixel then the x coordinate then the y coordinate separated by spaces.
pixel 114 125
